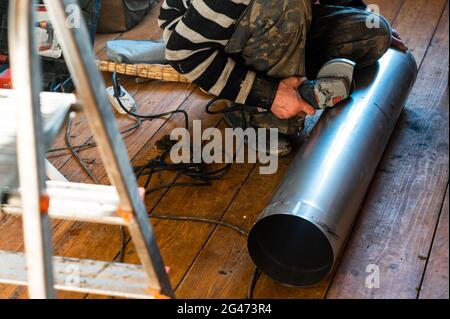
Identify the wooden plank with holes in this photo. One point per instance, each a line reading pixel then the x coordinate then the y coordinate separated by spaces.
pixel 397 222
pixel 435 284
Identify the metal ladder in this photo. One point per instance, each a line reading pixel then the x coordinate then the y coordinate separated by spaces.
pixel 38 200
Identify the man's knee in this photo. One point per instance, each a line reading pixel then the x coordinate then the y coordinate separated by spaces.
pixel 368 36
pixel 382 35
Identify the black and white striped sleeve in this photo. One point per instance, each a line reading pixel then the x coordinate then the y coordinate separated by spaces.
pixel 196 35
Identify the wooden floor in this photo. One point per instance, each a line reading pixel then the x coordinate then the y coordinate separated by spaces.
pixel 402 227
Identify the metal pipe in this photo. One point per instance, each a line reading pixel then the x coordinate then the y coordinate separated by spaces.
pixel 298 237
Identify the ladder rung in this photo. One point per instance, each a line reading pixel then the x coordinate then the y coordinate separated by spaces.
pixel 74 201
pixel 85 276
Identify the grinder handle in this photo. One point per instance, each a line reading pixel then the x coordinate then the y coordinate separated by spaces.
pixel 307 92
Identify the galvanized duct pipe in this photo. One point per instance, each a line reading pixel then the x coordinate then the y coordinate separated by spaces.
pixel 298 237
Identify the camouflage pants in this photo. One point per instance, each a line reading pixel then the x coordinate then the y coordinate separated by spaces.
pixel 284 38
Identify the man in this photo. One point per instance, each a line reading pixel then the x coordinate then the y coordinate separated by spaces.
pixel 258 52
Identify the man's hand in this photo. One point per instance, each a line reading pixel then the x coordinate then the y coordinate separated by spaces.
pixel 397 42
pixel 288 102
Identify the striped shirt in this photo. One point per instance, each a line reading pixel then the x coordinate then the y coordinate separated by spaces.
pixel 196 33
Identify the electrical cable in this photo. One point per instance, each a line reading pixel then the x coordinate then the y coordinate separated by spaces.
pixel 118 93
pixel 223 110
pixel 75 154
pixel 228 109
pixel 123 244
pixel 253 281
pixel 89 145
pixel 202 220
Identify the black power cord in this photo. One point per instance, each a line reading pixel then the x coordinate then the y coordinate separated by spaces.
pixel 253 281
pixel 235 108
pixel 197 171
pixel 118 94
pixel 88 145
pixel 76 154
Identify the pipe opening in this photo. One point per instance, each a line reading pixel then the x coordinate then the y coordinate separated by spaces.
pixel 291 250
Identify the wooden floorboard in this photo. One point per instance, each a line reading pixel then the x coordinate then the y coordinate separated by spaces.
pixel 212 262
pixel 397 223
pixel 389 8
pixel 435 284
